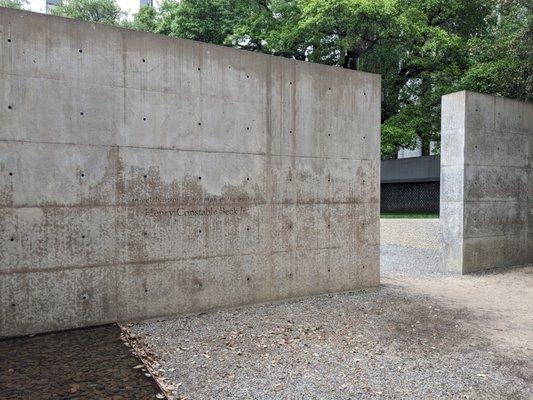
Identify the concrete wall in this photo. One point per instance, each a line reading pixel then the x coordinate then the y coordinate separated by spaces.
pixel 486 182
pixel 143 176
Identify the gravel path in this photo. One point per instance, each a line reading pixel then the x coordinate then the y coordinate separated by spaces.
pixel 387 343
pixel 410 261
pixel 411 247
pixel 423 334
pixel 412 232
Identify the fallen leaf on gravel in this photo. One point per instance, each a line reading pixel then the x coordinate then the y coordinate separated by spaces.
pixel 278 387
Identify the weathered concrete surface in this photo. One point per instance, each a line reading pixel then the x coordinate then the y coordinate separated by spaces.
pixel 144 176
pixel 486 182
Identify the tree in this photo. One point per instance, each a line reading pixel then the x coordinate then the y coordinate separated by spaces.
pixel 502 60
pixel 209 21
pixel 16 4
pixel 104 11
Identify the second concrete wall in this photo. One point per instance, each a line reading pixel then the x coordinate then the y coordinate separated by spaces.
pixel 143 176
pixel 486 182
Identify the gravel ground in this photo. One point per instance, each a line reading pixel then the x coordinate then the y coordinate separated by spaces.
pixel 90 363
pixel 410 261
pixel 387 343
pixel 411 247
pixel 412 232
pixel 423 334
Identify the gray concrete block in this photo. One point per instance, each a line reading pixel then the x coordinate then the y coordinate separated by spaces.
pixel 64 108
pixel 56 49
pixel 479 113
pixel 507 150
pixel 51 175
pixel 485 214
pixel 53 300
pixel 485 183
pixel 452 183
pixel 52 238
pixel 452 112
pixel 148 176
pixel 483 253
pixel 511 116
pixel 494 218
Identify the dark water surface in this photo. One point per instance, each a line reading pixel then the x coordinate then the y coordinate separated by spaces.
pixel 90 363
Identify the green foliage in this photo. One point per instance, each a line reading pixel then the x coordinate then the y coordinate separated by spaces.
pixel 16 4
pixel 208 21
pixel 104 11
pixel 502 60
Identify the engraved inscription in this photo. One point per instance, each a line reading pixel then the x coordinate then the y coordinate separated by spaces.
pixel 194 212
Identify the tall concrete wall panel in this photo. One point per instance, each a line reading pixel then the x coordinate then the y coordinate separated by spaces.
pixel 143 176
pixel 486 182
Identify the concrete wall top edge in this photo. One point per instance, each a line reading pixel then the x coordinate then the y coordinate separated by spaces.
pixel 11 13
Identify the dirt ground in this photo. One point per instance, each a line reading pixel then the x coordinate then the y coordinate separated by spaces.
pixel 501 301
pixel 416 337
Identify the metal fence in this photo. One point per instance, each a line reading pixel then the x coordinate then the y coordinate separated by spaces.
pixel 410 185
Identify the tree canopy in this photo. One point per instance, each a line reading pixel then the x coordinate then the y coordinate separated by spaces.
pixel 16 4
pixel 104 11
